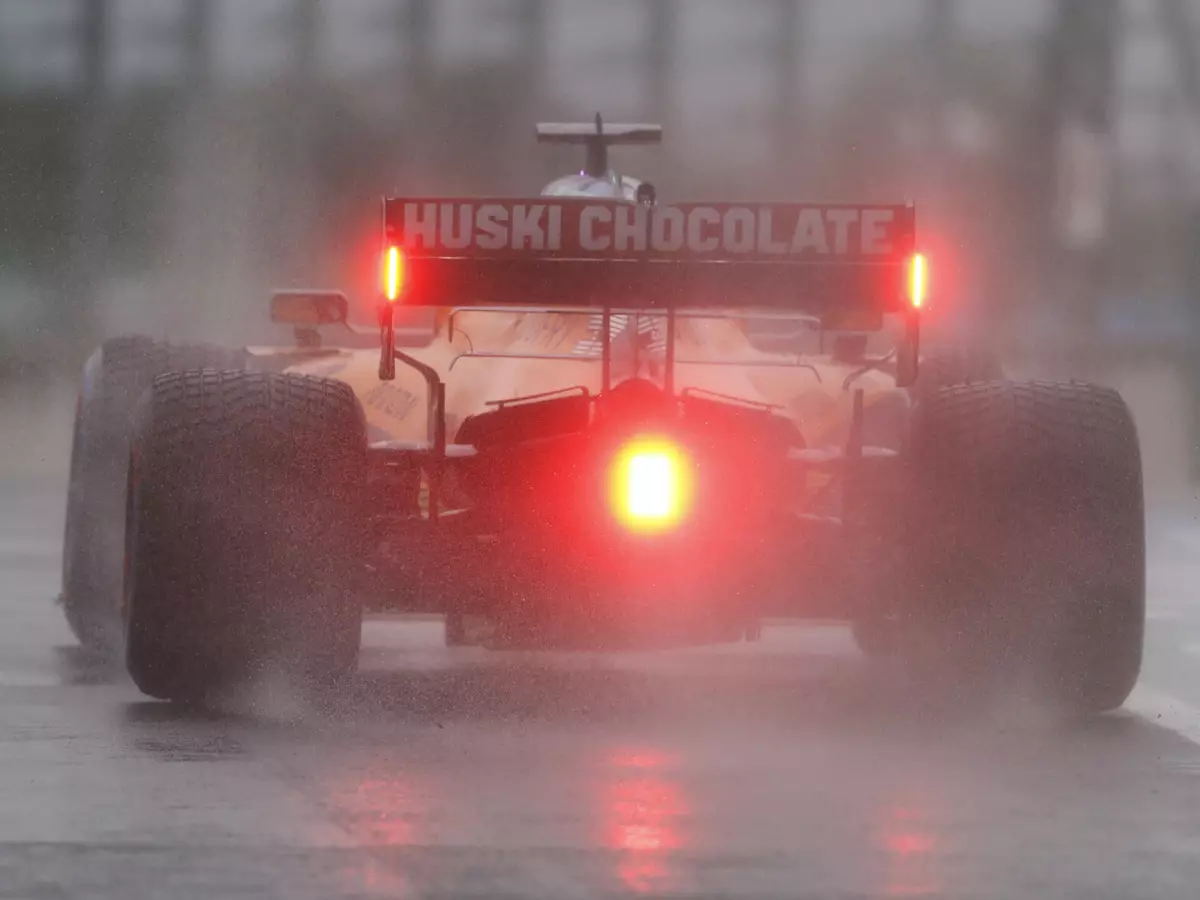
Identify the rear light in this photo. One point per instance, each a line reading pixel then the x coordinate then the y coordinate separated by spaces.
pixel 651 485
pixel 393 273
pixel 918 280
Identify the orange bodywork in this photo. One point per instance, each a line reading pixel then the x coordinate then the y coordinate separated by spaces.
pixel 818 401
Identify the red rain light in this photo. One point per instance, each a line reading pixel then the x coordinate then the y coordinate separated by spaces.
pixel 918 280
pixel 650 487
pixel 393 273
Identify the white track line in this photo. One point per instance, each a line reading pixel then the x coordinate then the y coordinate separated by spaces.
pixel 1165 615
pixel 22 547
pixel 1186 539
pixel 1165 711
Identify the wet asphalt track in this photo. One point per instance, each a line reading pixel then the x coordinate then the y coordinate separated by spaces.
pixel 786 769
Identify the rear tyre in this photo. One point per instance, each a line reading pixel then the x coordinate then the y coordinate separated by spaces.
pixel 1031 537
pixel 114 378
pixel 242 535
pixel 949 366
pixel 874 636
pixel 456 628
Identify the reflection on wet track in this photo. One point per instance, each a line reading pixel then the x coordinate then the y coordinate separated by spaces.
pixel 645 814
pixel 787 769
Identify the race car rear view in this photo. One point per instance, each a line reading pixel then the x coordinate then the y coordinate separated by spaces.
pixel 575 460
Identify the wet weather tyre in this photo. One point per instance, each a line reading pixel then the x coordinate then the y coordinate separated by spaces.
pixel 455 628
pixel 114 379
pixel 874 636
pixel 949 366
pixel 1032 528
pixel 242 535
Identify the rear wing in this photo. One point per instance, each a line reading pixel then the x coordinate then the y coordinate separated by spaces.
pixel 840 261
pixel 847 265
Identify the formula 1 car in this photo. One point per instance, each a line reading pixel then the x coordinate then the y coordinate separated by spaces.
pixel 588 452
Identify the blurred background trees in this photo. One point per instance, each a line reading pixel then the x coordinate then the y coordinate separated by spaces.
pixel 164 163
